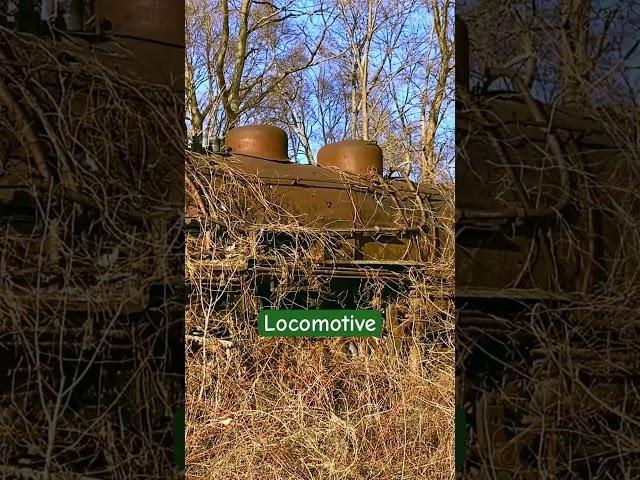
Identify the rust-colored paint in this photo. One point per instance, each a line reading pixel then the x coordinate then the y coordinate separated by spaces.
pixel 153 20
pixel 363 210
pixel 149 31
pixel 358 157
pixel 262 141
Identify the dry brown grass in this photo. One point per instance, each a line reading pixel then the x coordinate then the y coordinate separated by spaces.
pixel 311 412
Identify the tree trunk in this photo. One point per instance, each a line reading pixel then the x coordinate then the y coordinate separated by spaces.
pixel 354 103
pixel 364 71
pixel 576 61
pixel 431 112
pixel 197 117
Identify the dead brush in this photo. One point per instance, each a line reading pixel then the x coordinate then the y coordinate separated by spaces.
pixel 564 401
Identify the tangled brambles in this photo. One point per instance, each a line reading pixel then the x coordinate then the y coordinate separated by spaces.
pixel 309 408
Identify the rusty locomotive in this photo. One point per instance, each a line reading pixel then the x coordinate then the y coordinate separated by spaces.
pixel 358 227
pixel 44 159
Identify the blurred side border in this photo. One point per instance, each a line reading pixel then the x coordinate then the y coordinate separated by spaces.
pixel 546 249
pixel 92 256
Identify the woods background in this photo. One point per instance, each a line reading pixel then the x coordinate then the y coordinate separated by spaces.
pixel 371 69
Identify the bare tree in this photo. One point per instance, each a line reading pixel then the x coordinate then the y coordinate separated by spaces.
pixel 564 51
pixel 369 69
pixel 371 32
pixel 239 53
pixel 436 92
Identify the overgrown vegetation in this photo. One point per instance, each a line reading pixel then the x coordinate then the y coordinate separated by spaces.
pixel 316 408
pixel 308 408
pixel 552 391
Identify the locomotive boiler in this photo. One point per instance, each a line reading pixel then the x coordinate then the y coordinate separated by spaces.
pixel 343 233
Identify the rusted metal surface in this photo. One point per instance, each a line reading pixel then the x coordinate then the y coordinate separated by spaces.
pixel 146 36
pixel 358 157
pixel 19 207
pixel 382 219
pixel 150 20
pixel 495 232
pixel 266 234
pixel 261 141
